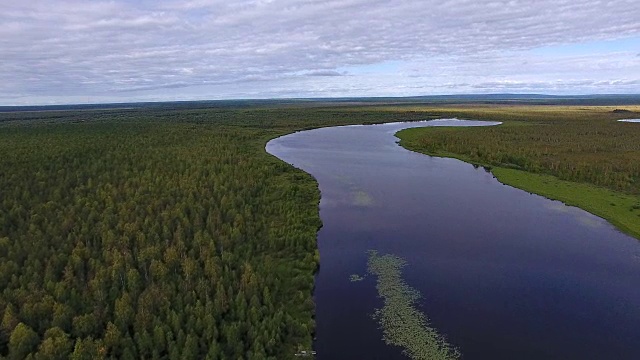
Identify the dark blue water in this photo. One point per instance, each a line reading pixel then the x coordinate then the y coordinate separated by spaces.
pixel 504 274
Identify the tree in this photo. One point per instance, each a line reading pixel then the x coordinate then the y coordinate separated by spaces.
pixel 87 349
pixel 123 313
pixel 84 325
pixel 22 342
pixel 56 345
pixel 9 320
pixel 112 338
pixel 190 350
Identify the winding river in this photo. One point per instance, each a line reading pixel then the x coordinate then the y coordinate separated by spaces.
pixel 504 274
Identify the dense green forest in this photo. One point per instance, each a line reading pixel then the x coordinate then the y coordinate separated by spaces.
pixel 164 234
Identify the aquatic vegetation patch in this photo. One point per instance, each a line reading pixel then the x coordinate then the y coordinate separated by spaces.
pixel 361 198
pixel 402 324
pixel 355 277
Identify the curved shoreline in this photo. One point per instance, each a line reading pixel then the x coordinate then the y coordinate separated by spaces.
pixel 590 198
pixel 436 344
pixel 504 236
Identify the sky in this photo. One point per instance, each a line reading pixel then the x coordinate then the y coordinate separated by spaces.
pixel 86 51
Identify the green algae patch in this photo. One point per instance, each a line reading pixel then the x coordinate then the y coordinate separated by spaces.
pixel 402 323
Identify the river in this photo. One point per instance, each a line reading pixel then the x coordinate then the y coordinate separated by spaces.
pixel 504 274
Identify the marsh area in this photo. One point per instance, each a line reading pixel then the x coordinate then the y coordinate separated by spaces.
pixel 503 274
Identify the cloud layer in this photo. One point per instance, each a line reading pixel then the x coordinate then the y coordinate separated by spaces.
pixel 80 51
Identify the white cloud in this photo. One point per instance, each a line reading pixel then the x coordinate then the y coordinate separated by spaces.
pixel 135 50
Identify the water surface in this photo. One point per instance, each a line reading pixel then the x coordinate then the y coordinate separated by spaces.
pixel 504 274
pixel 630 120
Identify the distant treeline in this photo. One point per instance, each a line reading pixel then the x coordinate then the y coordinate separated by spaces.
pixel 433 100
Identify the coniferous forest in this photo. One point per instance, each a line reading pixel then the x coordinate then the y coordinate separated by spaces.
pixel 157 234
pixel 167 232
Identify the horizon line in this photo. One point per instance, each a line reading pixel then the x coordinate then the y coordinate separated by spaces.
pixel 326 98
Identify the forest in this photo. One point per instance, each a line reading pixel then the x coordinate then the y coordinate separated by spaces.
pixel 169 233
pixel 158 234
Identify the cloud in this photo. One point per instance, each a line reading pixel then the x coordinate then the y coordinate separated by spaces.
pixel 213 48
